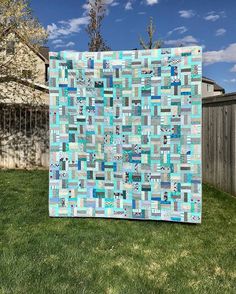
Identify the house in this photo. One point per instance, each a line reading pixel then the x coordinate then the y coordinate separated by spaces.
pixel 24 79
pixel 15 49
pixel 211 88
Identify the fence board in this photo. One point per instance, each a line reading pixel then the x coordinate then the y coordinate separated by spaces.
pixel 219 142
pixel 24 139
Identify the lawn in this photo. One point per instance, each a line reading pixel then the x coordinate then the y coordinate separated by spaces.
pixel 48 255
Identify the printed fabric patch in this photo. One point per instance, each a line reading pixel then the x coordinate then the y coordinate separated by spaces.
pixel 125 134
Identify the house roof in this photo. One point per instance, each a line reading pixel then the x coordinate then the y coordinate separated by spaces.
pixel 45 52
pixel 207 80
pixel 218 88
pixel 212 82
pixel 42 52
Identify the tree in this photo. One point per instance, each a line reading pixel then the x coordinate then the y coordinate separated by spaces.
pixel 151 29
pixel 18 65
pixel 96 13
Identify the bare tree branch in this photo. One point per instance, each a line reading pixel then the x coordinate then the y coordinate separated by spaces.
pixel 97 11
pixel 151 29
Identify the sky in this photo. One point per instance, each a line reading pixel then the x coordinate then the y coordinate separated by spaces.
pixel 208 23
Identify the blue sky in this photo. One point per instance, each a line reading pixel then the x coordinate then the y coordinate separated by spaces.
pixel 210 23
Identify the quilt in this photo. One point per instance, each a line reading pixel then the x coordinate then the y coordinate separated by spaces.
pixel 125 134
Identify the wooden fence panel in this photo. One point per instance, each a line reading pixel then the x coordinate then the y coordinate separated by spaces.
pixel 219 142
pixel 24 136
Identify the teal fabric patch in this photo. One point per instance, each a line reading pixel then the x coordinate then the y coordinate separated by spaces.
pixel 125 134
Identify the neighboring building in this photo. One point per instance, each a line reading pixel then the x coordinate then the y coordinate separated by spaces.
pixel 211 88
pixel 15 51
pixel 13 45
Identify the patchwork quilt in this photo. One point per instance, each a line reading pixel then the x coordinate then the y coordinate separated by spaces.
pixel 125 134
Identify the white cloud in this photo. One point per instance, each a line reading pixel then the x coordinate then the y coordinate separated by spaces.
pixel 151 2
pixel 70 44
pixel 186 13
pixel 225 55
pixel 57 41
pixel 66 27
pixel 180 30
pixel 114 3
pixel 128 6
pixel 187 40
pixel 111 2
pixel 230 81
pixel 141 12
pixel 233 69
pixel 86 6
pixel 119 20
pixel 212 17
pixel 220 32
pixel 67 45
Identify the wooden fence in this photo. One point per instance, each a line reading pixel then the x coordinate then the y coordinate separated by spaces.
pixel 24 136
pixel 219 142
pixel 24 139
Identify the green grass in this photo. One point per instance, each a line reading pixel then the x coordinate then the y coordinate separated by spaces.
pixel 48 255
